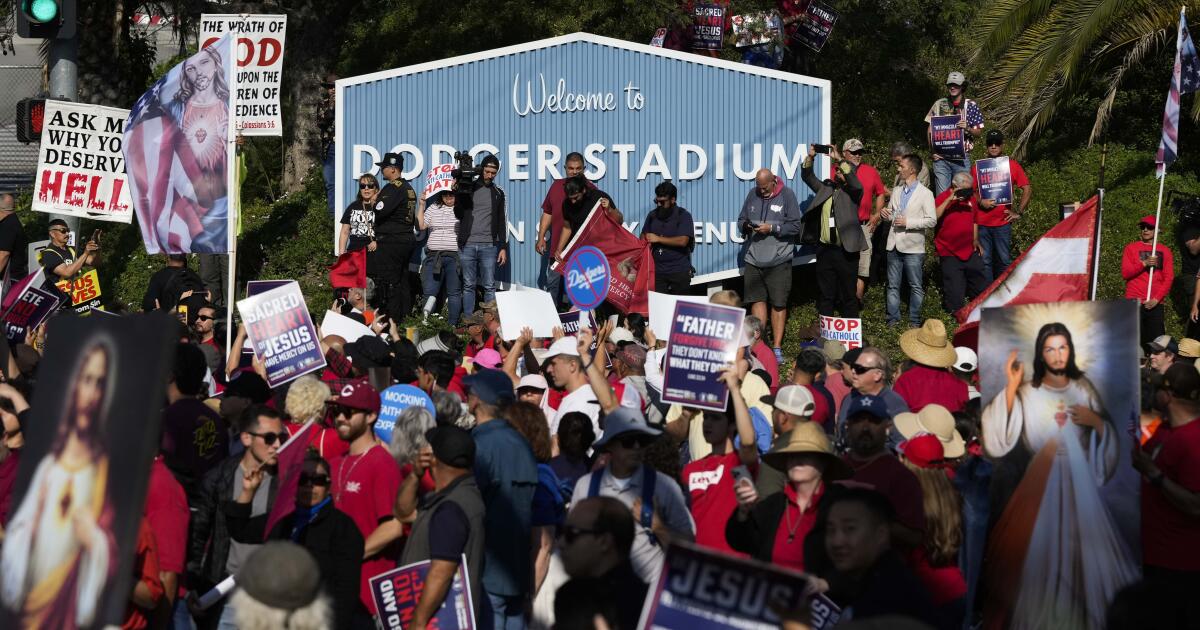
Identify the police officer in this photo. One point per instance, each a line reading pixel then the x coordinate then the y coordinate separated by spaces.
pixel 395 223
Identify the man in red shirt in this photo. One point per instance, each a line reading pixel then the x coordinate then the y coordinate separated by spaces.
pixel 956 238
pixel 995 220
pixel 1169 463
pixel 1137 264
pixel 365 482
pixel 167 514
pixel 552 222
pixel 930 380
pixel 709 480
pixel 873 197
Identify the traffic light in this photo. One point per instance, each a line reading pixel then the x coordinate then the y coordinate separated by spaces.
pixel 46 19
pixel 31 113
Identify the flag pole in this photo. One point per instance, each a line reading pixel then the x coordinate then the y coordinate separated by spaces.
pixel 232 194
pixel 1157 215
pixel 1098 221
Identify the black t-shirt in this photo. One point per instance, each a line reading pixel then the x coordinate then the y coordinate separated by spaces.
pixel 53 256
pixel 362 224
pixel 1189 265
pixel 452 530
pixel 574 214
pixel 13 241
pixel 395 211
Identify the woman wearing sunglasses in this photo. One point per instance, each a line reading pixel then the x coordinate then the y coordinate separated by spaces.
pixel 358 220
pixel 330 535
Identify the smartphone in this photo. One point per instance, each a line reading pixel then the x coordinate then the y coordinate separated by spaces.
pixel 964 193
pixel 821 148
pixel 741 473
pixel 96 237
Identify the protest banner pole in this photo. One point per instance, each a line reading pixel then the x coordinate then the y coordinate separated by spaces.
pixel 233 193
pixel 1157 215
pixel 1095 254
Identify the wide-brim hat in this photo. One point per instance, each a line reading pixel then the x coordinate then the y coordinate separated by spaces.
pixel 1189 348
pixel 809 439
pixel 929 345
pixel 391 159
pixel 934 419
pixel 624 421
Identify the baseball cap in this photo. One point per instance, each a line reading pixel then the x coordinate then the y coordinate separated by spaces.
pixel 966 360
pixel 281 574
pixel 1148 220
pixel 622 421
pixel 866 403
pixel 995 136
pixel 491 386
pixel 368 352
pixel 533 381
pixel 488 358
pixel 851 356
pixel 452 445
pixel 853 144
pixel 621 335
pixel 955 78
pixel 567 346
pixel 357 394
pixel 1163 343
pixel 793 399
pixel 633 355
pixel 1183 380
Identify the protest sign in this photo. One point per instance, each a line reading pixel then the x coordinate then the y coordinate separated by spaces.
pixel 26 305
pixel 815 27
pixel 660 36
pixel 337 324
pixel 708 26
pixel 587 278
pixel 259 52
pixel 86 461
pixel 662 307
pixel 700 588
pixel 630 263
pixel 1060 400
pixel 83 292
pixel 756 28
pixel 946 137
pixel 526 307
pixel 704 339
pixel 569 322
pixel 995 179
pixel 845 330
pixel 282 333
pixel 438 179
pixel 397 592
pixel 81 170
pixel 395 400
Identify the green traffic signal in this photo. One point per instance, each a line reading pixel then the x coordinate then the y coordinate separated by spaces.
pixel 42 11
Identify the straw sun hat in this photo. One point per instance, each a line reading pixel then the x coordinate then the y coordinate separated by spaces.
pixel 928 345
pixel 808 438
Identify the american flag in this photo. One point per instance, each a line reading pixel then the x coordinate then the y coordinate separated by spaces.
pixel 1184 80
pixel 175 147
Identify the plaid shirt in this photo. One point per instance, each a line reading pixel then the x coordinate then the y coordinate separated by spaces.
pixel 339 364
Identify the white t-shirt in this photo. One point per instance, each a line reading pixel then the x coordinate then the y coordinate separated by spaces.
pixel 583 400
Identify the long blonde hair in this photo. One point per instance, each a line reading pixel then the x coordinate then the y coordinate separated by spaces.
pixel 943 514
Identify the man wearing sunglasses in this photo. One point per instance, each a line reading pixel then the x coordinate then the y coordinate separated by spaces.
pixel 1137 263
pixel 995 220
pixel 655 499
pixel 871 375
pixel 954 103
pixel 671 231
pixel 869 207
pixel 595 542
pixel 213 554
pixel 60 260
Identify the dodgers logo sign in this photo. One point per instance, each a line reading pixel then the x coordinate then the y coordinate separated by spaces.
pixel 588 277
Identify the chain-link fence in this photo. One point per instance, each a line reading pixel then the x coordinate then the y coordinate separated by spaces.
pixel 18 161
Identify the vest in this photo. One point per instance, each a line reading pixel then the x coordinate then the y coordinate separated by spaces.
pixel 649 479
pixel 465 493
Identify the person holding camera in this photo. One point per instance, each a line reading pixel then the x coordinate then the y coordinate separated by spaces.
pixel 995 219
pixel 956 239
pixel 395 237
pixel 831 223
pixel 440 267
pixel 911 211
pixel 482 232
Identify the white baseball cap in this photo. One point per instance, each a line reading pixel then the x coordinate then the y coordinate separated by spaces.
pixel 535 381
pixel 965 359
pixel 567 346
pixel 621 335
pixel 793 399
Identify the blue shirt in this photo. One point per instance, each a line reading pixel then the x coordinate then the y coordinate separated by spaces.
pixel 906 192
pixel 507 476
pixel 668 259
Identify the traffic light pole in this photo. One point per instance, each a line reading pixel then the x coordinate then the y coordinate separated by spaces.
pixel 64 86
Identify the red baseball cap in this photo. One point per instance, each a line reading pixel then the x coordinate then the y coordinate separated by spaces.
pixel 924 450
pixel 357 394
pixel 1148 220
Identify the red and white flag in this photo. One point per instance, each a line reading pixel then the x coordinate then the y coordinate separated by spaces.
pixel 1057 268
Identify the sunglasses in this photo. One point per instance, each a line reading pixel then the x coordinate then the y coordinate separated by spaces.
pixel 204 318
pixel 858 152
pixel 314 480
pixel 63 230
pixel 336 410
pixel 862 369
pixel 1143 226
pixel 661 201
pixel 634 441
pixel 367 186
pixel 271 438
pixel 995 144
pixel 569 533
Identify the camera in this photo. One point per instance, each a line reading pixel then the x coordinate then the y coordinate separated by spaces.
pixel 964 193
pixel 822 148
pixel 466 172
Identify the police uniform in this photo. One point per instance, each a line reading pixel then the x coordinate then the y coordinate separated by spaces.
pixel 395 238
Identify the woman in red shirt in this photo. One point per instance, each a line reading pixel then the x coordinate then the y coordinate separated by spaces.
pixel 773 529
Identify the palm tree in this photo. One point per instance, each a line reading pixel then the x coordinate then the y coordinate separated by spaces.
pixel 1039 54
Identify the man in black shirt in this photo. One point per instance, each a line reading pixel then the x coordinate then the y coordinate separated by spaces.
pixel 61 260
pixel 669 228
pixel 597 539
pixel 1188 264
pixel 395 236
pixel 13 258
pixel 576 207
